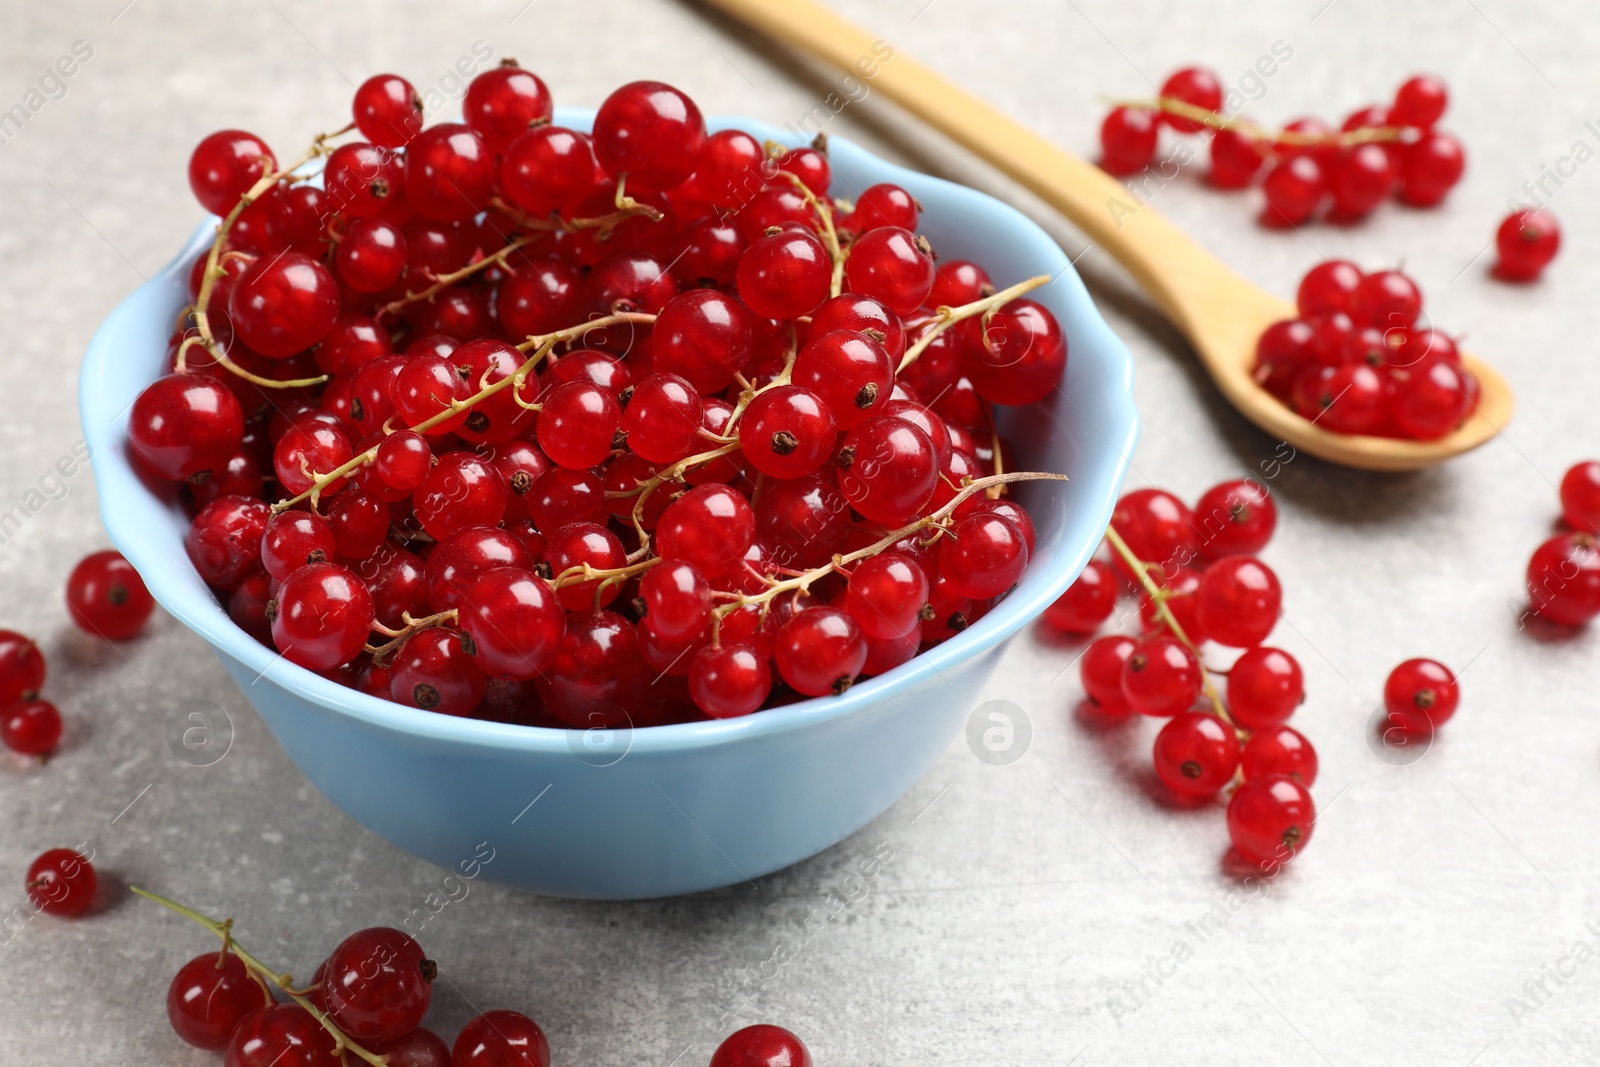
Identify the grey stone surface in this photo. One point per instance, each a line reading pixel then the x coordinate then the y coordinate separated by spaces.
pixel 1020 901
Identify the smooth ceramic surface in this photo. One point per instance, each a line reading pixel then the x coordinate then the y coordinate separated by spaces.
pixel 671 809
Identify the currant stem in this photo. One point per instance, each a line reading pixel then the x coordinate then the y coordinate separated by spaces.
pixel 398 637
pixel 949 316
pixel 342 1042
pixel 1256 132
pixel 1158 597
pixel 829 235
pixel 445 281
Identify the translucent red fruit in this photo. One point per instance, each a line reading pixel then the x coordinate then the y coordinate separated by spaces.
pixel 663 417
pixel 819 651
pixel 786 432
pixel 284 304
pixel 650 132
pixel 22 667
pixel 1580 496
pixel 888 470
pixel 850 371
pixel 704 336
pixel 225 165
pixel 1240 600
pixel 1526 242
pixel 1160 676
pixel 1234 518
pixel 30 727
pixel 450 173
pixel 729 680
pixel 514 621
pixel 710 526
pixel 1156 526
pixel 599 677
pixel 893 266
pixel 224 540
pixel 1265 686
pixel 377 983
pixel 185 425
pixel 785 275
pixel 209 996
pixel 1280 750
pixel 388 111
pixel 1196 87
pixel 762 1045
pixel 1420 695
pixel 983 556
pixel 503 102
pixel 1420 101
pixel 1270 820
pixel 61 882
pixel 106 596
pixel 1128 139
pixel 280 1035
pixel 886 595
pixel 501 1039
pixel 676 598
pixel 1087 603
pixel 323 616
pixel 548 169
pixel 1563 579
pixel 1018 355
pixel 1196 754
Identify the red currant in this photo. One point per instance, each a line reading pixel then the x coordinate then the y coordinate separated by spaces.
pixel 1019 355
pixel 22 667
pixel 729 680
pixel 1234 519
pixel 710 527
pixel 501 1038
pixel 983 555
pixel 786 432
pixel 225 165
pixel 388 111
pixel 209 996
pixel 885 204
pixel 1196 754
pixel 1420 695
pixel 61 882
pixel 1430 168
pixel 1580 496
pixel 185 426
pixel 505 101
pixel 323 616
pixel 1087 603
pixel 463 489
pixel 1270 820
pixel 1156 526
pixel 1160 676
pixel 650 132
pixel 514 621
pixel 1327 288
pixel 1294 189
pixel 1265 686
pixel 377 984
pixel 819 651
pixel 888 470
pixel 1236 159
pixel 284 304
pixel 784 275
pixel 106 596
pixel 1420 101
pixel 224 540
pixel 891 265
pixel 762 1045
pixel 1195 86
pixel 1279 750
pixel 1564 579
pixel 1128 139
pixel 450 173
pixel 30 727
pixel 284 1035
pixel 1527 241
pixel 886 594
pixel 1240 600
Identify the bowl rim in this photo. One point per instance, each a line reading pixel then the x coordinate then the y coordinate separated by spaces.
pixel 117 485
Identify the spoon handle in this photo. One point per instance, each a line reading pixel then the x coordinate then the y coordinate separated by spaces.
pixel 1170 266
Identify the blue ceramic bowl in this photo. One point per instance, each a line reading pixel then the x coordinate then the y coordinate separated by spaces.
pixel 666 809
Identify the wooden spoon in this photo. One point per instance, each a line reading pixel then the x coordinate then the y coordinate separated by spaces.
pixel 1220 313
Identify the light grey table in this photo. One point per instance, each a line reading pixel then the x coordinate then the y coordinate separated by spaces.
pixel 1023 904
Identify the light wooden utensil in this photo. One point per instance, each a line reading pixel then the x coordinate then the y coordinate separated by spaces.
pixel 1219 312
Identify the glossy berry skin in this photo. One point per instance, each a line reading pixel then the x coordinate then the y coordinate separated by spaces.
pixel 308 448
pixel 704 336
pixel 1180 585
pixel 1196 754
pixel 435 671
pixel 224 540
pixel 514 621
pixel 450 173
pixel 372 255
pixel 762 1045
pixel 1019 357
pixel 548 169
pixel 1279 750
pixel 1239 601
pixel 1265 686
pixel 578 423
pixel 419 1048
pixel 731 169
pixel 850 371
pixel 505 101
pixel 819 651
pixel 1429 400
pixel 1270 820
pixel 225 165
pixel 365 182
pixel 388 111
pixel 983 556
pixel 886 594
pixel 293 539
pixel 463 489
pixel 1235 159
pixel 786 432
pixel 1420 695
pixel 1234 518
pixel 1192 85
pixel 30 727
pixel 1327 288
pixel 323 616
pixel 1294 190
pixel 208 998
pixel 284 304
pixel 284 1035
pixel 1430 168
pixel 106 596
pixel 579 544
pixel 1283 351
pixel 61 882
pixel 885 204
pixel 662 419
pixel 677 599
pixel 729 680
pixel 710 527
pixel 1386 299
pixel 1160 677
pixel 1157 527
pixel 1526 241
pixel 465 556
pixel 377 984
pixel 501 1039
pixel 1580 496
pixel 803 521
pixel 1087 603
pixel 888 470
pixel 893 266
pixel 1420 101
pixel 1359 180
pixel 22 667
pixel 652 133
pixel 1128 140
pixel 184 425
pixel 785 275
pixel 1563 579
pixel 1347 399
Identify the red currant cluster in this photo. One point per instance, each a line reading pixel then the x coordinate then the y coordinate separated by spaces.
pixel 106 598
pixel 366 1002
pixel 1199 581
pixel 1526 242
pixel 1359 359
pixel 1307 168
pixel 1564 572
pixel 437 398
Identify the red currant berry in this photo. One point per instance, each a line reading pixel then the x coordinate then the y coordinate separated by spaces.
pixel 514 621
pixel 21 667
pixel 728 680
pixel 1182 604
pixel 949 612
pixel 662 419
pixel 820 651
pixel 983 555
pixel 1360 179
pixel 209 996
pixel 731 169
pixel 810 166
pixel 1527 241
pixel 224 540
pixel 1160 677
pixel 435 671
pixel 1235 159
pixel 1240 601
pixel 1564 579
pixel 1265 686
pixel 784 275
pixel 650 132
pixel 402 461
pixel 563 495
pixel 1580 496
pixel 505 101
pixel 891 265
pixel 30 727
pixel 886 595
pixel 225 165
pixel 711 527
pixel 61 882
pixel 703 336
pixel 1156 526
pixel 676 599
pixel 707 253
pixel 1293 189
pixel 322 618
pixel 885 204
pixel 1279 750
pixel 762 1045
pixel 1346 399
pixel 388 111
pixel 292 539
pixel 578 423
pixel 1087 603
pixel 1386 299
pixel 803 521
pixel 575 545
pixel 1420 695
pixel 1430 168
pixel 365 181
pixel 502 1038
pixel 850 371
pixel 309 449
pixel 1420 101
pixel 284 304
pixel 888 470
pixel 463 489
pixel 1128 140
pixel 786 432
pixel 1328 288
pixel 106 596
pixel 1017 357
pixel 377 984
pixel 419 1048
pixel 864 315
pixel 1270 820
pixel 284 1035
pixel 1234 519
pixel 1282 352
pixel 398 584
pixel 1196 754
pixel 464 557
pixel 183 426
pixel 450 173
pixel 958 282
pixel 548 170
pixel 1429 400
pixel 372 255
pixel 1195 86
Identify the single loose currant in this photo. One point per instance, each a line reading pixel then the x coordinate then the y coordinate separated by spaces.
pixel 1563 579
pixel 106 596
pixel 1526 242
pixel 1420 695
pixel 61 882
pixel 501 1039
pixel 1580 496
pixel 30 727
pixel 762 1045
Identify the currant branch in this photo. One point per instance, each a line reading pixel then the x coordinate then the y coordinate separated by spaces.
pixel 285 982
pixel 208 281
pixel 949 316
pixel 445 281
pixel 1256 132
pixel 398 637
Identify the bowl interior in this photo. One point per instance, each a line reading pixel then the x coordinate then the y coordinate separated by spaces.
pixel 1086 430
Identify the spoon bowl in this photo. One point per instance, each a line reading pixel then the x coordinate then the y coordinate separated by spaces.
pixel 1220 313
